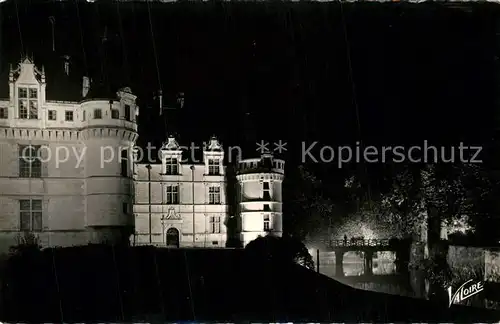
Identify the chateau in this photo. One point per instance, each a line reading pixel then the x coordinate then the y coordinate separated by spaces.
pixel 69 174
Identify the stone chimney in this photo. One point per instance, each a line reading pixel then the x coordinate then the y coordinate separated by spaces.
pixel 85 86
pixel 66 64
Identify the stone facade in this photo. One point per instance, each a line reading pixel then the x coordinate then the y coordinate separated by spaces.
pixel 187 205
pixel 67 173
pixel 54 181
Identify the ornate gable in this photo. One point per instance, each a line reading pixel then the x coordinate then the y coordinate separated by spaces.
pixel 171 144
pixel 172 215
pixel 27 73
pixel 214 145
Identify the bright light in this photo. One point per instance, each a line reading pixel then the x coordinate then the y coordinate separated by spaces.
pixel 367 233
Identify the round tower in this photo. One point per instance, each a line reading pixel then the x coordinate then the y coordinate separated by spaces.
pixel 260 205
pixel 109 133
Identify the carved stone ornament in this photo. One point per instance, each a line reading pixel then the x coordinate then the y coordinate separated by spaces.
pixel 171 215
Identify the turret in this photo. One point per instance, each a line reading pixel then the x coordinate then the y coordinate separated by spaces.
pixel 260 191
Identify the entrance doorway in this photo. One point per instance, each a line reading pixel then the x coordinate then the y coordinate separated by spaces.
pixel 173 237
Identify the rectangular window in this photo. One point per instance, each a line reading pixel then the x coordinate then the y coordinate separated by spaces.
pixel 4 113
pixel 84 116
pixel 33 109
pixel 214 224
pixel 30 212
pixel 52 115
pixel 127 113
pixel 115 113
pixel 172 195
pixel 22 93
pixel 33 94
pixel 267 223
pixel 124 163
pixel 213 167
pixel 214 195
pixel 23 109
pixel 267 207
pixel 30 164
pixel 266 191
pixel 172 166
pixel 97 114
pixel 27 103
pixel 125 208
pixel 68 115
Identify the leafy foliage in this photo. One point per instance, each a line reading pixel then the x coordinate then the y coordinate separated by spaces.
pixel 280 249
pixel 308 210
pixel 451 194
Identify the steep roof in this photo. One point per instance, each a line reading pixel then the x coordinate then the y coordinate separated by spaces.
pixel 99 90
pixel 62 86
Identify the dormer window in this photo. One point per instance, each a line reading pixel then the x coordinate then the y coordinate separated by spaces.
pixel 172 166
pixel 23 93
pixel 213 167
pixel 28 103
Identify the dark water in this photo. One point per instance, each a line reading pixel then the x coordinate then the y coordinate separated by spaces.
pixel 385 279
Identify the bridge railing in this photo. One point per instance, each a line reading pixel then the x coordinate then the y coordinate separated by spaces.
pixel 359 242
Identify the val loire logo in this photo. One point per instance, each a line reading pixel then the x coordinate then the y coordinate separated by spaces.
pixel 465 291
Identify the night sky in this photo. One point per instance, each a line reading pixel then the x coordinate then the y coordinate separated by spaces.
pixel 296 71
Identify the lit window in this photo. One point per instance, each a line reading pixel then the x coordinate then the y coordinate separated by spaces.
pixel 214 195
pixel 30 164
pixel 172 195
pixel 214 224
pixel 30 212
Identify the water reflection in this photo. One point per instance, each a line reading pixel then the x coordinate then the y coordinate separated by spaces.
pixel 354 265
pixel 384 278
